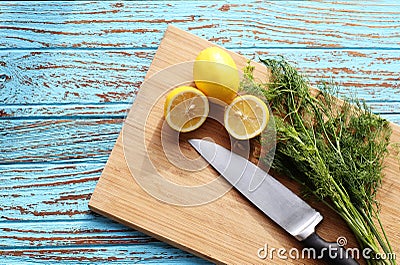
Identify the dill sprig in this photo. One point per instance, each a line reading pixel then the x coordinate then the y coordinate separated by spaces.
pixel 334 148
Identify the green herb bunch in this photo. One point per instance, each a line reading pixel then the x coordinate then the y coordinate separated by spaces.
pixel 334 148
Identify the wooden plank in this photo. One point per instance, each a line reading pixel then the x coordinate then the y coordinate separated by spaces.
pixel 159 253
pixel 47 192
pixel 78 233
pixel 58 195
pixel 87 83
pixel 253 24
pixel 73 110
pixel 53 141
pixel 46 179
pixel 388 108
pixel 68 184
pixel 109 33
pixel 43 183
pixel 364 74
pixel 143 254
pixel 227 230
pixel 71 76
pixel 392 118
pixel 73 205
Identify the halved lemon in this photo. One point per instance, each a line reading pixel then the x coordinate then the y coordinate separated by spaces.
pixel 186 108
pixel 246 117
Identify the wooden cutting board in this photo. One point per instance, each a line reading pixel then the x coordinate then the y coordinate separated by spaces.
pixel 227 229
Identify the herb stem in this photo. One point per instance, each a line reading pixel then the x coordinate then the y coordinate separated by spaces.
pixel 334 150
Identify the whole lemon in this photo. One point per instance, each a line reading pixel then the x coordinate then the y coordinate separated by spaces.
pixel 216 75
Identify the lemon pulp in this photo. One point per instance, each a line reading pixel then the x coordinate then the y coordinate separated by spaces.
pixel 246 117
pixel 185 109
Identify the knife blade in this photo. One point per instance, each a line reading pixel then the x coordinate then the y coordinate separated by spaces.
pixel 274 199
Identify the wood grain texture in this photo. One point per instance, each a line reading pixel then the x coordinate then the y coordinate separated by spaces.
pixel 228 230
pixel 74 64
pixel 34 192
pixel 32 141
pixel 72 76
pixel 104 83
pixel 45 218
pixel 252 24
pixel 81 241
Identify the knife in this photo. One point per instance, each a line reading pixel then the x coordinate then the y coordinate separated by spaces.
pixel 276 201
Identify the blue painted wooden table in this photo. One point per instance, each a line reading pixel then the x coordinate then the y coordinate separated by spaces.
pixel 69 71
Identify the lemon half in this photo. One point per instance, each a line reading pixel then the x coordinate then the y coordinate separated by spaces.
pixel 246 117
pixel 185 109
pixel 216 75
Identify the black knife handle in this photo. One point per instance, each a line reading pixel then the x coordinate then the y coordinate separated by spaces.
pixel 331 252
